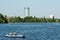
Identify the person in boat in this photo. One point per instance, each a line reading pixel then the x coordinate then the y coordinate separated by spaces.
pixel 10 34
pixel 7 35
pixel 14 33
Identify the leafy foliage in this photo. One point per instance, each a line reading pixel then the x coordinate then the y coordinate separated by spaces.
pixel 5 19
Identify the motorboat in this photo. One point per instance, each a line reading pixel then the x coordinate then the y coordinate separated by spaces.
pixel 11 35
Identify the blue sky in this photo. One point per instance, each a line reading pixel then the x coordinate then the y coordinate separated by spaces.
pixel 38 8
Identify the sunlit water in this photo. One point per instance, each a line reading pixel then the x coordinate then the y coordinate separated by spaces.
pixel 32 31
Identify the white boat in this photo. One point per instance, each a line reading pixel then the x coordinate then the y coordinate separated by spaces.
pixel 14 36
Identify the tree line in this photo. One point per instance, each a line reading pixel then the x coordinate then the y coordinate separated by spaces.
pixel 6 19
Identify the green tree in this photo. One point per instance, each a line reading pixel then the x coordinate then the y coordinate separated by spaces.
pixel 1 16
pixel 5 19
pixel 1 21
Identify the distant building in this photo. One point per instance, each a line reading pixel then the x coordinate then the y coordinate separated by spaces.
pixel 26 11
pixel 51 16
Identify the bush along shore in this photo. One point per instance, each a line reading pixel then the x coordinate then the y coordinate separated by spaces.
pixel 29 19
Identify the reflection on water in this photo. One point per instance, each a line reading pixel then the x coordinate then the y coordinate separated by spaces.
pixel 32 31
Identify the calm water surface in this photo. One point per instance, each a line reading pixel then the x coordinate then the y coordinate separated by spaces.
pixel 32 31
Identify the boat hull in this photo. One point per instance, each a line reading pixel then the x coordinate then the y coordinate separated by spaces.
pixel 15 36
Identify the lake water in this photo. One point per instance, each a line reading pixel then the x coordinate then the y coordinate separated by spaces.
pixel 32 31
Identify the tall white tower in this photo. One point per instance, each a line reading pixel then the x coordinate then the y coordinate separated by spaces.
pixel 26 11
